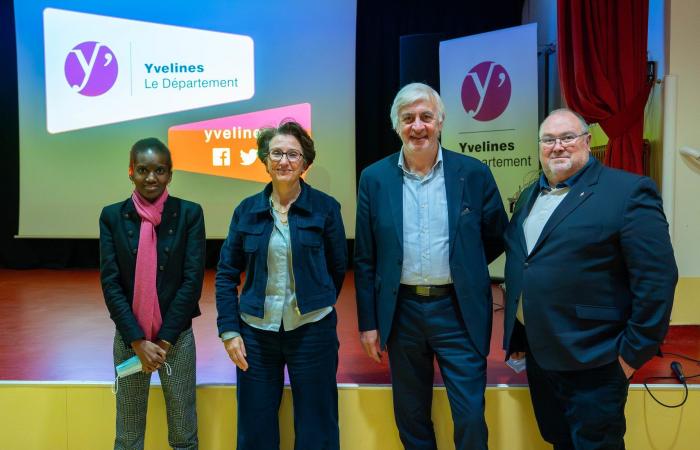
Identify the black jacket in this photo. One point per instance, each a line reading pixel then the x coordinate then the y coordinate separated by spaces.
pixel 600 280
pixel 181 249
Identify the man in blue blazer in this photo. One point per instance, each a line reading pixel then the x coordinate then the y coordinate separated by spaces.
pixel 590 278
pixel 428 223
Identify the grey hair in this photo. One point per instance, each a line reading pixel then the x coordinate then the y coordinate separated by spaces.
pixel 582 121
pixel 412 93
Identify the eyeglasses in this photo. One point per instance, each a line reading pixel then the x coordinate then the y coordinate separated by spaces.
pixel 567 139
pixel 292 156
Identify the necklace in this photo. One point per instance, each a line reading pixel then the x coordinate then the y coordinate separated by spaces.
pixel 272 203
pixel 282 213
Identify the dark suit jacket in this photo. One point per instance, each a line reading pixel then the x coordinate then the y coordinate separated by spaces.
pixel 599 281
pixel 476 224
pixel 181 242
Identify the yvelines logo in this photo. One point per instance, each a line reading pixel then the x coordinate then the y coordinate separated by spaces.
pixel 102 70
pixel 486 91
pixel 91 68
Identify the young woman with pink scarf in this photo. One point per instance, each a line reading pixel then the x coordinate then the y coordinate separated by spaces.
pixel 152 249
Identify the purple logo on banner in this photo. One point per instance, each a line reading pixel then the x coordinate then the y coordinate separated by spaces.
pixel 91 68
pixel 486 91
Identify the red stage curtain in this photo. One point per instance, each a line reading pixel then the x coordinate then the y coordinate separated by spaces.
pixel 602 65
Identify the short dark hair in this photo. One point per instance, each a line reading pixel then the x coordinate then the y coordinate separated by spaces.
pixel 290 128
pixel 150 143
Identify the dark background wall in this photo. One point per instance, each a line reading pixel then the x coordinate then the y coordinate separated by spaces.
pixel 380 26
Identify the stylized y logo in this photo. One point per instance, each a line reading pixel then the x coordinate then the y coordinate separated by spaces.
pixel 93 76
pixel 481 88
pixel 88 66
pixel 485 100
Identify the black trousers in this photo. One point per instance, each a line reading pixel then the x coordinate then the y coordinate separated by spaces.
pixel 310 353
pixel 580 409
pixel 425 330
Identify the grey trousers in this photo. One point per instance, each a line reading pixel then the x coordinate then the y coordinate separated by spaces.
pixel 179 390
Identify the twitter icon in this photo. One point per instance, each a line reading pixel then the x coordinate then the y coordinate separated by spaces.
pixel 249 157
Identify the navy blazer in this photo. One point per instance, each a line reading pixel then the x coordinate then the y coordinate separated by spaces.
pixel 181 251
pixel 600 280
pixel 476 223
pixel 319 255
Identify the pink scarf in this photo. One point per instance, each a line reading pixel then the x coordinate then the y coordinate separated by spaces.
pixel 146 307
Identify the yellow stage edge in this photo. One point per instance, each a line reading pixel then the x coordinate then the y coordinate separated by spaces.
pixel 80 416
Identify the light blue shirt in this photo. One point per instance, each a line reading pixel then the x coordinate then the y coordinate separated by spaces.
pixel 280 298
pixel 541 211
pixel 426 234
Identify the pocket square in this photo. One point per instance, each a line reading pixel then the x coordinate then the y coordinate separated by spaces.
pixel 465 211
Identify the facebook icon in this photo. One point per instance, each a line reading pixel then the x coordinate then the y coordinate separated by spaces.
pixel 221 156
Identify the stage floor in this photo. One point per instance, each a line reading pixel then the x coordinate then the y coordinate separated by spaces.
pixel 55 327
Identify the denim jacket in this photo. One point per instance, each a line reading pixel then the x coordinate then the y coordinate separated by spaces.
pixel 319 255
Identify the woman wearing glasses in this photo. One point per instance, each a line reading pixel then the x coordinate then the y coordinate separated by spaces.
pixel 290 241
